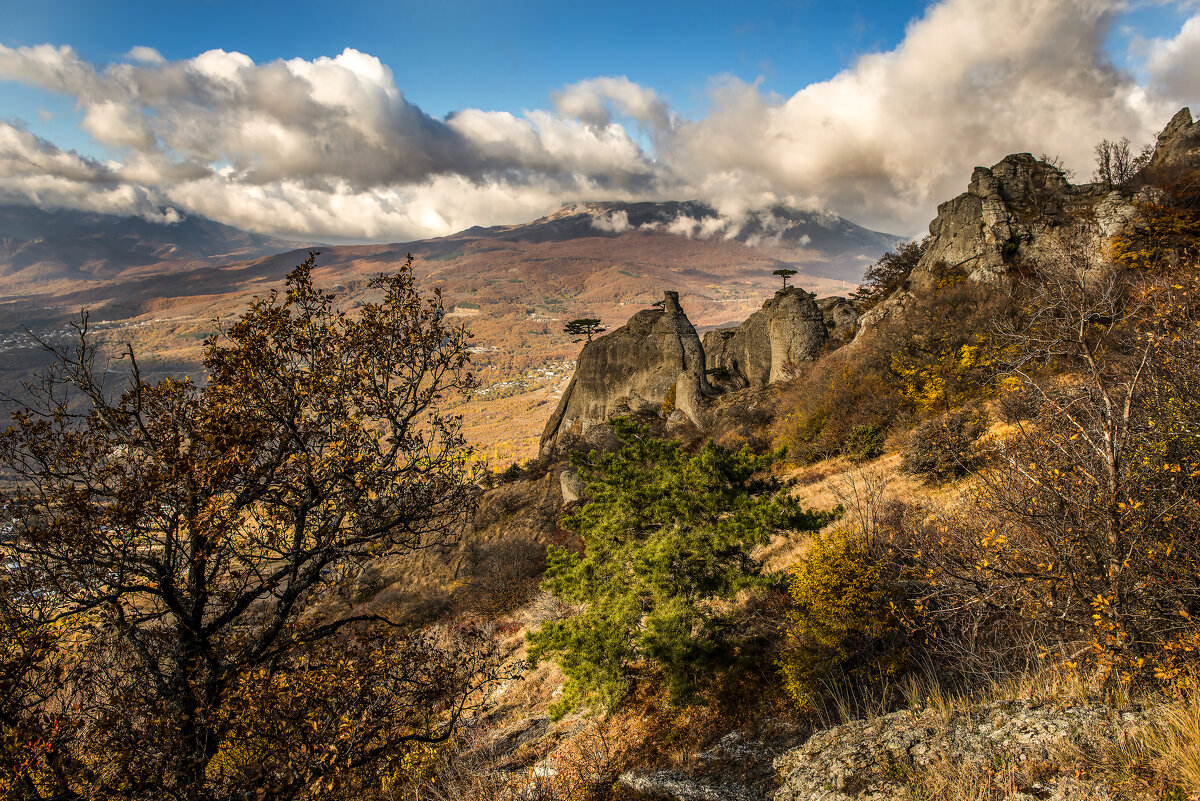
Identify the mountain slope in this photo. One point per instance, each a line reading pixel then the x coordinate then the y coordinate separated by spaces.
pixel 39 247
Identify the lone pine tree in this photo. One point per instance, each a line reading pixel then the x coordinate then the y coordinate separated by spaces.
pixel 665 533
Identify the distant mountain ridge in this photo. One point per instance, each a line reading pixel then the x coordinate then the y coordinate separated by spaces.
pixel 778 225
pixel 39 245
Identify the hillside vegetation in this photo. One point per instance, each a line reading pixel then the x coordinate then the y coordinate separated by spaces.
pixel 953 553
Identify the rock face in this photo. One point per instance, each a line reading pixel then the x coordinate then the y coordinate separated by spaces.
pixel 870 760
pixel 788 331
pixel 841 318
pixel 653 363
pixel 1179 142
pixel 1006 212
pixel 1004 209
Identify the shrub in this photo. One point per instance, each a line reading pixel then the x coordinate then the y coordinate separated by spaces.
pixel 840 618
pixel 842 392
pixel 864 443
pixel 943 448
pixel 667 544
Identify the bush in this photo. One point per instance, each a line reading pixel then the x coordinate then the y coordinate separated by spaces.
pixel 944 447
pixel 842 393
pixel 864 443
pixel 667 541
pixel 841 617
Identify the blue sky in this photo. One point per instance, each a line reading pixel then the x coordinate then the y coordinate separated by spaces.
pixel 513 108
pixel 491 55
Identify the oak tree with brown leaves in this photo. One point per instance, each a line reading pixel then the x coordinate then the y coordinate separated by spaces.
pixel 172 596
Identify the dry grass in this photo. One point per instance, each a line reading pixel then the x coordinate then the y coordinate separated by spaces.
pixel 1175 741
pixel 825 484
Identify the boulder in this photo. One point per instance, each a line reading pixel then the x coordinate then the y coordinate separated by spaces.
pixel 652 364
pixel 571 486
pixel 841 318
pixel 788 331
pixel 872 760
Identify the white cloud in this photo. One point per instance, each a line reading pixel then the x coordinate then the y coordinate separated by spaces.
pixel 615 221
pixel 1172 63
pixel 146 55
pixel 331 148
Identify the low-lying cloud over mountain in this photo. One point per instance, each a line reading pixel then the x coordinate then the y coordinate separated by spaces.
pixel 331 148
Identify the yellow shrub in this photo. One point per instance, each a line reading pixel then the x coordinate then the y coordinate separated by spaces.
pixel 840 612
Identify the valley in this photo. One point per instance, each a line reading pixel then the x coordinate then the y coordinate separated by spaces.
pixel 513 287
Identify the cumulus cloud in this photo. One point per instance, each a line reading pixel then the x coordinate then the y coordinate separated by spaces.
pixel 1171 63
pixel 971 82
pixel 330 147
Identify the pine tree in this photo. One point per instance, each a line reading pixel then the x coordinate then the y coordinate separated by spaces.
pixel 664 534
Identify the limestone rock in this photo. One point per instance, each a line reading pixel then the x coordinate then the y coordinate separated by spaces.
pixel 652 364
pixel 669 785
pixel 869 760
pixel 788 331
pixel 841 318
pixel 1179 142
pixel 571 486
pixel 1005 213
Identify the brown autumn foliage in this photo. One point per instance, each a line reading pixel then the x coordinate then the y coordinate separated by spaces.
pixel 1083 535
pixel 175 557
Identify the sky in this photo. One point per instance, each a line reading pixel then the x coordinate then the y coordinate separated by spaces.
pixel 371 121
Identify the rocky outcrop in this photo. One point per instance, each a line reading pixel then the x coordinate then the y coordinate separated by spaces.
pixel 872 760
pixel 1179 142
pixel 1005 214
pixel 841 318
pixel 787 332
pixel 654 363
pixel 1004 211
pixel 735 769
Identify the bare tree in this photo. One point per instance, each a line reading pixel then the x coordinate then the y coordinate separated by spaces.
pixel 863 493
pixel 1115 163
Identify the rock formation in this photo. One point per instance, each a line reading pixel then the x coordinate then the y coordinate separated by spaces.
pixel 653 363
pixel 788 331
pixel 1179 142
pixel 873 760
pixel 841 318
pixel 1005 213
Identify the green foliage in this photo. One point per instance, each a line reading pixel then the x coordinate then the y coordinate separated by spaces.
pixel 865 443
pixel 785 273
pixel 840 613
pixel 667 537
pixel 583 328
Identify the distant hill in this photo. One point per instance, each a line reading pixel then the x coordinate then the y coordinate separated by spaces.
pixel 39 246
pixel 162 287
pixel 824 244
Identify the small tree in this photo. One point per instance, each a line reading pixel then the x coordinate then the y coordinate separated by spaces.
pixel 785 273
pixel 665 535
pixel 170 610
pixel 890 272
pixel 584 328
pixel 1115 163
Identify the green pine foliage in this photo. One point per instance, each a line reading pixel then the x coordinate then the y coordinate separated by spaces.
pixel 667 541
